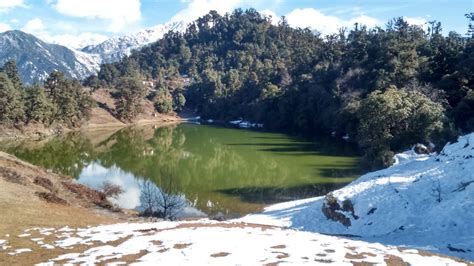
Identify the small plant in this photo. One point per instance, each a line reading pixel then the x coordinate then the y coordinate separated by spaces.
pixel 111 190
pixel 436 190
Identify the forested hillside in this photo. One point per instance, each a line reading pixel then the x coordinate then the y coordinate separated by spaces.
pixel 387 88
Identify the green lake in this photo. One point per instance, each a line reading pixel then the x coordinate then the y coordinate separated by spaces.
pixel 217 169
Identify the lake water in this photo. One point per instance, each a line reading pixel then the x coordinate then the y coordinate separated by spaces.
pixel 216 169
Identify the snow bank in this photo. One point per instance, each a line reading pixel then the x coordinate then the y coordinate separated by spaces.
pixel 424 201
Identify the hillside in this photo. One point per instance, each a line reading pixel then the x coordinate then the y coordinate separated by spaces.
pixel 32 195
pixel 424 201
pixel 36 59
pixel 102 115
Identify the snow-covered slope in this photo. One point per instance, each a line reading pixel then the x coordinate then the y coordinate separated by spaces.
pixel 207 243
pixel 36 58
pixel 424 201
pixel 116 48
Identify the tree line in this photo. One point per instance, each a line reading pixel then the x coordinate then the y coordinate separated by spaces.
pixel 57 101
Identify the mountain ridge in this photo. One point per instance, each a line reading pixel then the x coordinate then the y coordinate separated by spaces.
pixel 116 48
pixel 36 59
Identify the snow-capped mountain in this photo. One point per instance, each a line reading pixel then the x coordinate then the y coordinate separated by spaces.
pixel 116 48
pixel 36 59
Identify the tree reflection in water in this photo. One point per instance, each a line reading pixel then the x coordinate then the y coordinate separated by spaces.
pixel 213 169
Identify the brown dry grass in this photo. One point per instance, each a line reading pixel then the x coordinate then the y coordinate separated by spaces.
pixel 22 207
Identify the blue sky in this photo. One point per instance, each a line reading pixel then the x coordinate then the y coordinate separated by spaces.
pixel 74 22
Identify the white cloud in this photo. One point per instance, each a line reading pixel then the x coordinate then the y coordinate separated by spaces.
pixel 75 41
pixel 268 13
pixel 34 26
pixel 419 21
pixel 5 5
pixel 198 8
pixel 4 27
pixel 364 20
pixel 326 24
pixel 120 13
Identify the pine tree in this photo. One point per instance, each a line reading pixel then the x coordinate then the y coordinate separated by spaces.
pixel 39 108
pixel 129 99
pixel 11 70
pixel 12 109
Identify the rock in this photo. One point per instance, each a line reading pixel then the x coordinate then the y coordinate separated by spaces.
pixel 218 217
pixel 334 211
pixel 422 149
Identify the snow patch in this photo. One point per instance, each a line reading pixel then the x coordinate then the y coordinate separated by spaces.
pixel 424 201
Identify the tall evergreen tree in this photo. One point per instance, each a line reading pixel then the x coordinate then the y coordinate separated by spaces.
pixel 39 107
pixel 129 99
pixel 12 109
pixel 11 70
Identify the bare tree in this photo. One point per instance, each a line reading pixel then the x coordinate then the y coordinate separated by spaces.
pixel 170 201
pixel 148 195
pixel 164 201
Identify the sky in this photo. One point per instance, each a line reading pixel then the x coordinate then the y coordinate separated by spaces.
pixel 78 23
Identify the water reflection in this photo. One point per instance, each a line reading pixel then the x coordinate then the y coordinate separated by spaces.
pixel 217 169
pixel 95 175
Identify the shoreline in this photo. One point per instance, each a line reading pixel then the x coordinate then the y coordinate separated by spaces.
pixel 36 132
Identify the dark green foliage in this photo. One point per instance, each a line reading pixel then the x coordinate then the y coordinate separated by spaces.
pixel 163 100
pixel 470 31
pixel 108 73
pixel 11 70
pixel 394 120
pixel 60 100
pixel 179 101
pixel 72 103
pixel 130 93
pixel 464 113
pixel 291 79
pixel 12 109
pixel 94 82
pixel 39 108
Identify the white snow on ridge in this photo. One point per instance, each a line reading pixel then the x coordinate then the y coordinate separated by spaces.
pixel 87 63
pixel 116 48
pixel 425 202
